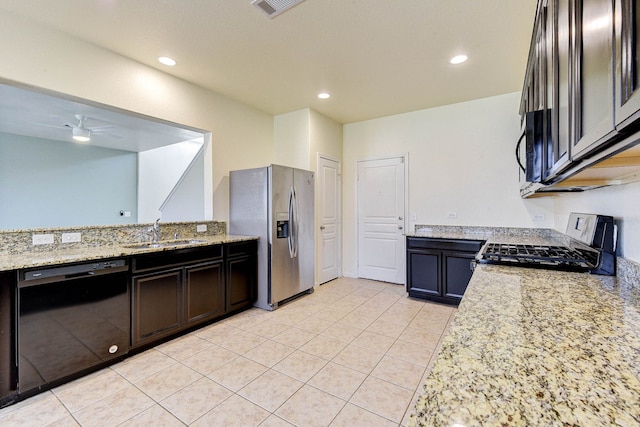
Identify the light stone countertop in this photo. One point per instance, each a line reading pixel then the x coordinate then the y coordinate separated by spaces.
pixel 535 236
pixel 62 256
pixel 531 347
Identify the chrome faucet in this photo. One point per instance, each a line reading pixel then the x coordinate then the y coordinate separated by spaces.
pixel 155 231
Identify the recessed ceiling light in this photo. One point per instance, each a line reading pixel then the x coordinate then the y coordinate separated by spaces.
pixel 458 59
pixel 324 95
pixel 167 61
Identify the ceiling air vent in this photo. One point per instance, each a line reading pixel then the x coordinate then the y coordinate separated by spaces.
pixel 273 8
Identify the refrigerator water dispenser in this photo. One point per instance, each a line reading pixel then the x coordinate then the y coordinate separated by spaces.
pixel 282 231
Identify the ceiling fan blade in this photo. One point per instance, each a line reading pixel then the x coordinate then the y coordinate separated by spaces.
pixel 100 128
pixel 93 119
pixel 107 134
pixel 49 126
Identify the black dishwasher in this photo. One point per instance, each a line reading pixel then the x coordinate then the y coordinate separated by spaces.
pixel 71 319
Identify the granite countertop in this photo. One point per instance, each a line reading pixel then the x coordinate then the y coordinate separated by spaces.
pixel 62 256
pixel 538 347
pixel 534 236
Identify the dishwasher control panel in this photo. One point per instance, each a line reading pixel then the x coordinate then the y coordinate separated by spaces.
pixel 74 270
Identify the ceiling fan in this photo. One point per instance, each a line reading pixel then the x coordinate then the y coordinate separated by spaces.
pixel 80 132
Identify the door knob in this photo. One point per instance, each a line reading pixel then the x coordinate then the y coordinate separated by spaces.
pixel 399 227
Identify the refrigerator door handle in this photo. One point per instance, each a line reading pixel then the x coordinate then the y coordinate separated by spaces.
pixel 290 238
pixel 294 221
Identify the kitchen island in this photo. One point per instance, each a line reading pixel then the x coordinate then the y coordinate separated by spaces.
pixel 538 347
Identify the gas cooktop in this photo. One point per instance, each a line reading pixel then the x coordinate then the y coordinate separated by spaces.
pixel 592 248
pixel 543 256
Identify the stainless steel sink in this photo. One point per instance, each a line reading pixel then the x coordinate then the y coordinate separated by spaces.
pixel 165 244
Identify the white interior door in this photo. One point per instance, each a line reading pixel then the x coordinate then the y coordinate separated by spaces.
pixel 381 206
pixel 328 219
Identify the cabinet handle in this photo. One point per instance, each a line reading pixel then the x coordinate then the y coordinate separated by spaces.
pixel 322 227
pixel 399 227
pixel 400 218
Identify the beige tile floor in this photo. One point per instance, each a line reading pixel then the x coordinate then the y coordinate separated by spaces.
pixel 353 353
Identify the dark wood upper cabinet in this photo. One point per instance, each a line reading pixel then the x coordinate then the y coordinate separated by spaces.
pixel 581 93
pixel 558 130
pixel 593 74
pixel 627 25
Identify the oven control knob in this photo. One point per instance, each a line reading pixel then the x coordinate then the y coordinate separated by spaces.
pixel 113 349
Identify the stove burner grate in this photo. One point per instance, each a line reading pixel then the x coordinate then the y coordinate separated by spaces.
pixel 542 255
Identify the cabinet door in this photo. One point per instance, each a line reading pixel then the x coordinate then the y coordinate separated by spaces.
pixel 627 25
pixel 8 374
pixel 205 292
pixel 457 273
pixel 423 272
pixel 157 306
pixel 593 76
pixel 558 39
pixel 241 282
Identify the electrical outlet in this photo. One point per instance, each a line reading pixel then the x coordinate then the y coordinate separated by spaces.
pixel 452 215
pixel 538 217
pixel 42 239
pixel 414 216
pixel 201 228
pixel 71 237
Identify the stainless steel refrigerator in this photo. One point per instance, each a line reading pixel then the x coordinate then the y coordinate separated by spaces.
pixel 276 203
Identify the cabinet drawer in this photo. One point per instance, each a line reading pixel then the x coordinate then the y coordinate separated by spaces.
pixel 240 248
pixel 176 257
pixel 445 244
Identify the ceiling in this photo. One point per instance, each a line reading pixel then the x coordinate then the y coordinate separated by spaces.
pixel 375 57
pixel 40 115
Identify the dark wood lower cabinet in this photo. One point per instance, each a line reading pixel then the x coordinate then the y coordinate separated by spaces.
pixel 457 273
pixel 8 369
pixel 241 266
pixel 439 269
pixel 172 292
pixel 423 273
pixel 205 291
pixel 157 306
pixel 200 286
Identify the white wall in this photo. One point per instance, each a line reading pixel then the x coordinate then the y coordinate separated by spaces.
pixel 291 139
pixel 461 159
pixel 242 137
pixel 621 202
pixel 325 138
pixel 187 200
pixel 47 183
pixel 159 170
pixel 299 137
